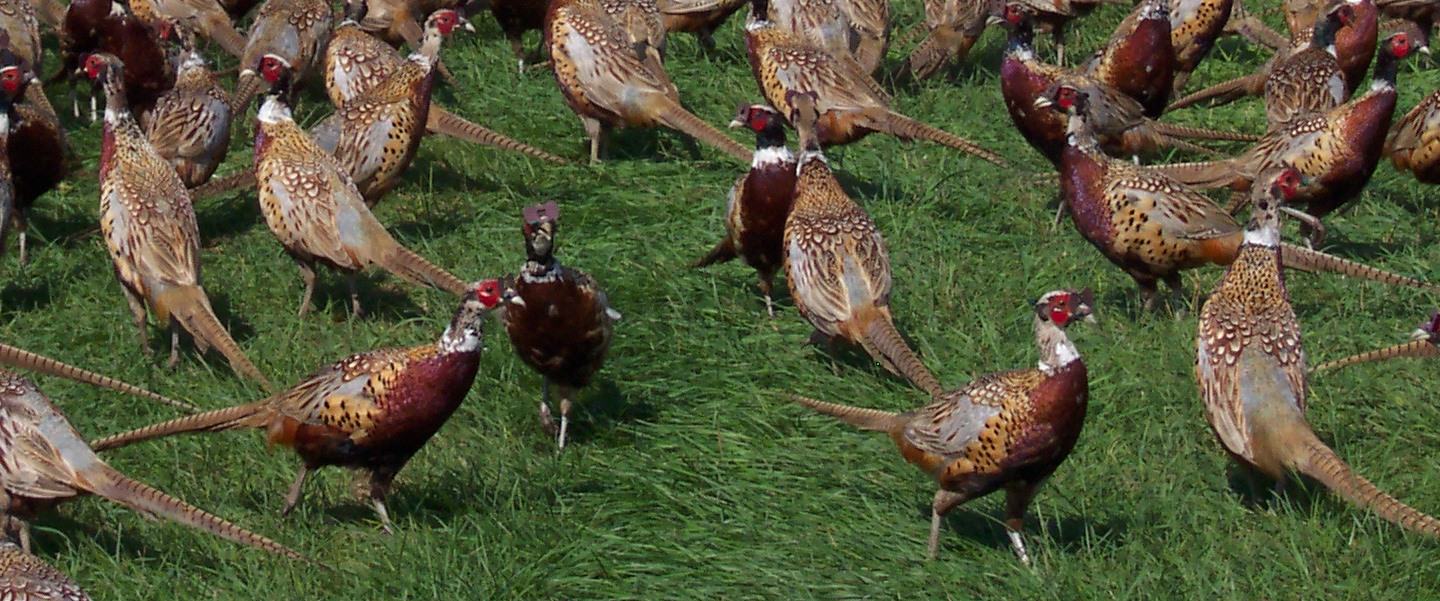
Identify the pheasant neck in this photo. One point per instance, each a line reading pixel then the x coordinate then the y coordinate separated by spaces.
pixel 1324 35
pixel 1056 350
pixel 770 138
pixel 1079 134
pixel 117 109
pixel 539 268
pixel 465 334
pixel 429 49
pixel 273 110
pixel 1386 66
pixel 1021 43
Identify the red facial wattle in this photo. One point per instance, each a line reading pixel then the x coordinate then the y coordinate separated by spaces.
pixel 1060 316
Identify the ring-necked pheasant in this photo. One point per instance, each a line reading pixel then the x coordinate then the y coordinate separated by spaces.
pixel 370 412
pixel 190 124
pixel 21 32
pixel 1250 367
pixel 1337 150
pixel 608 84
pixel 759 203
pixel 1153 227
pixel 47 462
pixel 1420 13
pixel 295 30
pixel 1419 35
pixel 1007 430
pixel 1194 27
pixel 700 17
pixel 314 209
pixel 836 264
pixel 642 23
pixel 1414 142
pixel 150 230
pixel 952 28
pixel 850 103
pixel 1139 58
pixel 1309 81
pixel 25 577
pixel 1053 15
pixel 559 320
pixel 1024 78
pixel 1119 122
pixel 516 17
pixel 207 17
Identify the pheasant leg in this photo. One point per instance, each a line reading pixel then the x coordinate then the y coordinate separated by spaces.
pixel 355 310
pixel 595 130
pixel 137 313
pixel 944 502
pixel 564 416
pixel 1017 499
pixel 765 288
pixel 380 479
pixel 297 490
pixel 307 275
pixel 174 345
pixel 547 420
pixel 22 226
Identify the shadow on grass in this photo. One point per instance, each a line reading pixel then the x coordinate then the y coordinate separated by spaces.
pixel 601 407
pixel 1069 533
pixel 53 529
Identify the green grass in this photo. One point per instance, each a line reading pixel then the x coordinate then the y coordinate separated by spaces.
pixel 689 475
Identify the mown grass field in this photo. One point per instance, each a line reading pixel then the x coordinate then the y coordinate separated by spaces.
pixel 689 475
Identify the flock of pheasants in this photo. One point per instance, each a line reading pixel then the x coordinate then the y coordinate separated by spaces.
pixel 168 123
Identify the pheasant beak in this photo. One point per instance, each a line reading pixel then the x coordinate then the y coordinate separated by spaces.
pixel 1044 103
pixel 735 123
pixel 1425 50
pixel 516 300
pixel 470 27
pixel 1419 334
pixel 993 20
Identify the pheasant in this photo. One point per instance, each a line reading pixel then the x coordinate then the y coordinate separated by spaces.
pixel 1422 344
pixel 100 26
pixel 1338 150
pixel 397 21
pixel 1153 227
pixel 1053 15
pixel 379 131
pixel 642 23
pixel 607 84
pixel 25 577
pixel 1422 14
pixel 836 263
pixel 1353 38
pixel 370 412
pixel 1118 121
pixel 47 462
pixel 1024 79
pixel 190 124
pixel 23 359
pixel 1305 74
pixel 1139 59
pixel 315 210
pixel 1009 429
pixel 1419 34
pixel 952 27
pixel 294 30
pixel 850 103
pixel 1250 367
pixel 1414 142
pixel 35 128
pixel 208 18
pixel 150 231
pixel 559 320
pixel 516 17
pixel 759 202
pixel 823 24
pixel 1194 27
pixel 21 31
pixel 700 17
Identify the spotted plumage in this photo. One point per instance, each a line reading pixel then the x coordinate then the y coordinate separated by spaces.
pixel 370 412
pixel 952 28
pixel 295 30
pixel 315 210
pixel 1139 58
pixel 1007 430
pixel 1309 80
pixel 701 17
pixel 22 31
pixel 190 124
pixel 1414 142
pixel 25 577
pixel 1194 27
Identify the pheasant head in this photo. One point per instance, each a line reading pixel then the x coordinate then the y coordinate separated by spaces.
pixel 438 26
pixel 1054 312
pixel 276 72
pixel 1279 185
pixel 355 11
pixel 13 79
pixel 1428 330
pixel 109 74
pixel 766 122
pixel 465 334
pixel 539 230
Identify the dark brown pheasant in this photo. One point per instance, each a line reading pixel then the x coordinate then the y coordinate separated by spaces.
pixel 1153 227
pixel 1139 59
pixel 1414 142
pixel 608 84
pixel 516 17
pixel 759 202
pixel 1422 343
pixel 25 577
pixel 836 263
pixel 850 103
pixel 1052 16
pixel 1337 150
pixel 1119 123
pixel 35 128
pixel 1024 79
pixel 559 320
pixel 1250 366
pixel 44 461
pixel 150 231
pixel 190 124
pixel 1008 430
pixel 314 209
pixel 370 412
pixel 700 17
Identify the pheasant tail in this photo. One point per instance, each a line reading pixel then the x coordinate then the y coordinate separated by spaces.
pixel 1255 30
pixel 252 415
pixel 189 306
pixel 1224 92
pixel 723 251
pixel 676 117
pixel 865 419
pixel 150 502
pixel 1304 259
pixel 884 343
pixel 442 121
pixel 927 58
pixel 899 125
pixel 51 12
pixel 1204 175
pixel 243 179
pixel 1321 463
pixel 1200 133
pixel 412 267
pixel 1414 348
pixel 24 359
pixel 246 88
pixel 224 34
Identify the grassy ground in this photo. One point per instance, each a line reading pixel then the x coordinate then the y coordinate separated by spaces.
pixel 689 476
